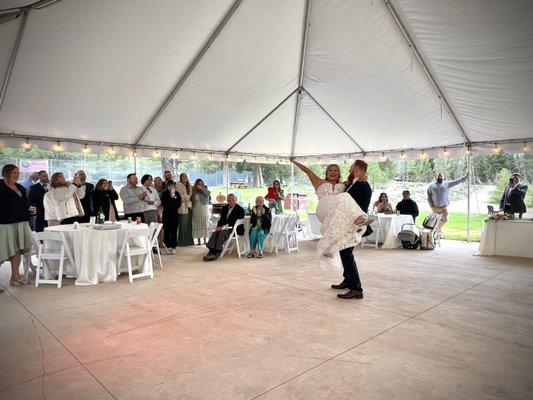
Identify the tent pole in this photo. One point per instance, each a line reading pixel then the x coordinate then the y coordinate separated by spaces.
pixel 226 172
pixel 293 188
pixel 428 73
pixel 22 25
pixel 334 121
pixel 468 166
pixel 134 162
pixel 188 72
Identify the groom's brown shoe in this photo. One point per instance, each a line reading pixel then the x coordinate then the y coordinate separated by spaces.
pixel 342 285
pixel 351 294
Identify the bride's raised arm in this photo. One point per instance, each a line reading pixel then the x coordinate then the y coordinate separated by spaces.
pixel 315 180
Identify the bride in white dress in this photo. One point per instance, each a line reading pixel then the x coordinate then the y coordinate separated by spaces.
pixel 340 216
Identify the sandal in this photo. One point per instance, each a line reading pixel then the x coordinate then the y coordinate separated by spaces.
pixel 16 282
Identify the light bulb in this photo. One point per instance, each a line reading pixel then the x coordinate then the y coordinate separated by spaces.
pixel 525 147
pixel 57 146
pixel 86 149
pixel 111 150
pixel 383 157
pixel 26 144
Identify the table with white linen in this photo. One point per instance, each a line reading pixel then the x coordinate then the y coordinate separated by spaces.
pixel 391 225
pixel 278 221
pixel 94 252
pixel 507 238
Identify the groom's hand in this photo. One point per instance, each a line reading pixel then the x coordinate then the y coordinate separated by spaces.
pixel 360 220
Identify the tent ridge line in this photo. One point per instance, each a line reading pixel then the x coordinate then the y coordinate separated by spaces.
pixel 334 121
pixel 13 57
pixel 155 117
pixel 426 69
pixel 261 121
pixel 301 72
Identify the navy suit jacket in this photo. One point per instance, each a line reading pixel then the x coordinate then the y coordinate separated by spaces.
pixel 361 192
pixel 35 198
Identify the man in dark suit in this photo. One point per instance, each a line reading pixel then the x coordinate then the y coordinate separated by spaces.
pixel 361 193
pixel 87 200
pixel 229 215
pixel 35 198
pixel 512 200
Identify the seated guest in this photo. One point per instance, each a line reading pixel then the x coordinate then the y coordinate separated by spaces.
pixel 86 198
pixel 133 198
pixel 62 203
pixel 171 202
pixel 151 201
pixel 383 205
pixel 275 196
pixel 104 196
pixel 35 198
pixel 260 222
pixel 512 200
pixel 229 215
pixel 407 206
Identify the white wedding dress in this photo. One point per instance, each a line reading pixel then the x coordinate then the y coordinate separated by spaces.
pixel 337 212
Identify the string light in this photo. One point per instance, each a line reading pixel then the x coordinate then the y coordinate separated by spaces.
pixel 26 144
pixel 402 155
pixel 525 147
pixel 156 153
pixel 134 153
pixel 85 149
pixel 176 155
pixel 423 155
pixel 496 150
pixel 111 150
pixel 445 152
pixel 57 146
pixel 383 158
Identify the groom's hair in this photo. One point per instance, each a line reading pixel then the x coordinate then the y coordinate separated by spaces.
pixel 363 166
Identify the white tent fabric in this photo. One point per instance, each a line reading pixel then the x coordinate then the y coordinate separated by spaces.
pixel 100 71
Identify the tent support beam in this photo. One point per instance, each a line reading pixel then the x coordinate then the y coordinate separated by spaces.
pixel 188 72
pixel 469 172
pixel 334 121
pixel 428 73
pixel 301 71
pixel 262 120
pixel 13 57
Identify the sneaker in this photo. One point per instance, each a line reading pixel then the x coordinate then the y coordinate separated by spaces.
pixel 173 251
pixel 260 254
pixel 250 255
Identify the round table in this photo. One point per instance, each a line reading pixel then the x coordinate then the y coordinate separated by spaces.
pixel 391 225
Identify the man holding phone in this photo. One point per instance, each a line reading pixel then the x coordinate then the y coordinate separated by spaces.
pixel 133 198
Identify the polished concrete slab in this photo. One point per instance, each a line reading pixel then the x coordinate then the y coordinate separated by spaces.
pixel 435 324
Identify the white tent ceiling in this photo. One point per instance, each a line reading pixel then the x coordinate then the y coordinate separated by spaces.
pixel 247 77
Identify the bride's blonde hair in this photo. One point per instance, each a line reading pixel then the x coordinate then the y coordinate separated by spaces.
pixel 338 169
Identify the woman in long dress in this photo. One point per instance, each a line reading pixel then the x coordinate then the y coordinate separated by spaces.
pixel 184 188
pixel 337 212
pixel 200 213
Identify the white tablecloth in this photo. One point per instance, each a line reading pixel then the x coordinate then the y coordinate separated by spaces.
pixel 391 225
pixel 507 238
pixel 95 252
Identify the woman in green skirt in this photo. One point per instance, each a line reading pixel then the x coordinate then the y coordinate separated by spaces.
pixel 15 234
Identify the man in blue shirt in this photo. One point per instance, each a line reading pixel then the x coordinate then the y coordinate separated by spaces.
pixel 439 197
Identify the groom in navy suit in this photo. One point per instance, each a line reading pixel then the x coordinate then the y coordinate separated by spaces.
pixel 361 193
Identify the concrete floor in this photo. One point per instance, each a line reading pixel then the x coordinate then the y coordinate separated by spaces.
pixel 433 325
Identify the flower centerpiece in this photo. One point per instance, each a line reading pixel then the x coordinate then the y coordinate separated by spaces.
pixel 500 216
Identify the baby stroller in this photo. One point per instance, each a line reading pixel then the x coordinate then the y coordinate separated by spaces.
pixel 409 237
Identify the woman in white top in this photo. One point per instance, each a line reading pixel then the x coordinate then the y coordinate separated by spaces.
pixel 151 201
pixel 62 203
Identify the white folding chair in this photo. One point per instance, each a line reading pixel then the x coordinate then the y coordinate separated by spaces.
pixel 44 252
pixel 291 233
pixel 233 241
pixel 277 232
pixel 155 228
pixel 366 241
pixel 137 242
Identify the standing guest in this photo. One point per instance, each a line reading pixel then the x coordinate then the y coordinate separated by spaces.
pixel 260 222
pixel 167 176
pixel 200 213
pixel 85 197
pixel 171 201
pixel 35 198
pixel 407 205
pixel 30 181
pixel 183 187
pixel 104 196
pixel 159 185
pixel 15 234
pixel 512 200
pixel 382 205
pixel 275 197
pixel 151 201
pixel 439 197
pixel 229 215
pixel 133 198
pixel 62 203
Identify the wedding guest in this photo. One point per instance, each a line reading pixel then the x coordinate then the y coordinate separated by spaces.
pixel 407 205
pixel 439 197
pixel 36 198
pixel 275 197
pixel 184 188
pixel 200 213
pixel 159 185
pixel 260 222
pixel 229 215
pixel 30 181
pixel 15 234
pixel 513 197
pixel 151 201
pixel 133 198
pixel 382 205
pixel 171 201
pixel 62 203
pixel 104 196
pixel 167 176
pixel 85 197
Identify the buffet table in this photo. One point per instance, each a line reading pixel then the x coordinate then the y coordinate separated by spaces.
pixel 507 238
pixel 94 252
